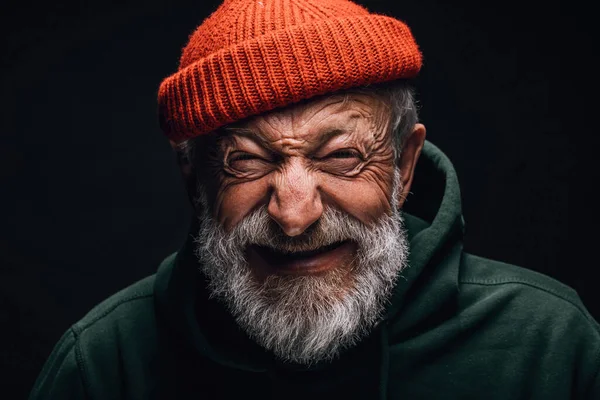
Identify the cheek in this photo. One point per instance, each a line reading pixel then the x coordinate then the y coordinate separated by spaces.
pixel 365 198
pixel 234 202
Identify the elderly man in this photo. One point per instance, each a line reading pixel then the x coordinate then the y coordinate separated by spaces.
pixel 305 273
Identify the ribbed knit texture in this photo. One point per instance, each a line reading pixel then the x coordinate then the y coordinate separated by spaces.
pixel 250 57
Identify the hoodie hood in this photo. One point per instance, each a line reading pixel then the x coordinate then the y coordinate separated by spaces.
pixel 426 288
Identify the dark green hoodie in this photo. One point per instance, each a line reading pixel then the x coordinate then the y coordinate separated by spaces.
pixel 458 327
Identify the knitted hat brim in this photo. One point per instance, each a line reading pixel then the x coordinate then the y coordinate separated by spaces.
pixel 284 67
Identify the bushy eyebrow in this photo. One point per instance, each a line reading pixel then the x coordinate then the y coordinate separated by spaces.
pixel 247 133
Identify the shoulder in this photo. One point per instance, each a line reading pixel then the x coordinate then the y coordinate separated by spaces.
pixel 125 324
pixel 122 326
pixel 136 299
pixel 89 354
pixel 542 317
pixel 522 294
pixel 499 276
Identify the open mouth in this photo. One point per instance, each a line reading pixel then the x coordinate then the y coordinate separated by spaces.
pixel 300 254
pixel 302 262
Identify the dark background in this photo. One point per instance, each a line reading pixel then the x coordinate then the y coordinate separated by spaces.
pixel 92 199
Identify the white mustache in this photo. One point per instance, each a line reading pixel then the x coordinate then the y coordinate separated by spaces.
pixel 333 227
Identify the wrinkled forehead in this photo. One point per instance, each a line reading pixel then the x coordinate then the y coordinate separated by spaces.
pixel 350 112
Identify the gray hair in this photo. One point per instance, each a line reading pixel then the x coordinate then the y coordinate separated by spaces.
pixel 400 97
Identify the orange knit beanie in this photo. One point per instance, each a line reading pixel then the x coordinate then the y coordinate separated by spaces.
pixel 250 57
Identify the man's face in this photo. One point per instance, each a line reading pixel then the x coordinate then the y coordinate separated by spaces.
pixel 300 230
pixel 327 153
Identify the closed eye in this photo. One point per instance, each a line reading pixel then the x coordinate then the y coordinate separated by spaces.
pixel 241 163
pixel 342 162
pixel 345 153
pixel 243 156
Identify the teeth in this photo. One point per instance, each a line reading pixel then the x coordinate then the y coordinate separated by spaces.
pixel 307 253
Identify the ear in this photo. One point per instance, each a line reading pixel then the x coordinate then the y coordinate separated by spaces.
pixel 187 172
pixel 408 160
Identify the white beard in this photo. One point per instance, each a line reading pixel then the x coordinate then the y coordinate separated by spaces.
pixel 304 319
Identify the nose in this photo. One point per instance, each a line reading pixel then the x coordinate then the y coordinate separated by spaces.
pixel 295 202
